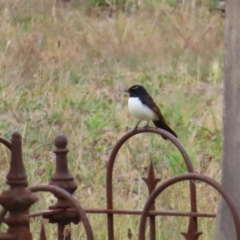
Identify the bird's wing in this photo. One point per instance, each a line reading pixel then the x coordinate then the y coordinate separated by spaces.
pixel 149 102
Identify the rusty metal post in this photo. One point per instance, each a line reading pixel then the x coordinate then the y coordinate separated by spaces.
pixel 63 179
pixel 43 233
pixel 17 200
pixel 151 183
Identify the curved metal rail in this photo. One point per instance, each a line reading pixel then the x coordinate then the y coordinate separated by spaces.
pixel 183 177
pixel 6 142
pixel 111 162
pixel 72 200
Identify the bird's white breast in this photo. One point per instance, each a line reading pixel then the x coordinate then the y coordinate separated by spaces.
pixel 139 110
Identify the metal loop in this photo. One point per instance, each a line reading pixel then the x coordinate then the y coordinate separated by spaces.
pixel 72 200
pixel 183 177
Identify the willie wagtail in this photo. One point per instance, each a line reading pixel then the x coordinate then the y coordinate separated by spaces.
pixel 142 106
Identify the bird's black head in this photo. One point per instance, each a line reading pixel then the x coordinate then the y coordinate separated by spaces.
pixel 136 90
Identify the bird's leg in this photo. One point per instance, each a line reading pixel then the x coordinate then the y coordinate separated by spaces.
pixel 137 125
pixel 146 124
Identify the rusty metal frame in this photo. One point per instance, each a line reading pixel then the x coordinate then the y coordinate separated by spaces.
pixel 20 197
pixel 17 199
pixel 67 209
pixel 112 158
pixel 6 143
pixel 183 177
pixel 58 191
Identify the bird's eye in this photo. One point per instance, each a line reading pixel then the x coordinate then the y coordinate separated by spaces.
pixel 136 87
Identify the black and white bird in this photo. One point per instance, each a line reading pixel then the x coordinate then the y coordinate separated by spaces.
pixel 142 107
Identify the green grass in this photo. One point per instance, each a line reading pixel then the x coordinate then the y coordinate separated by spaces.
pixel 63 69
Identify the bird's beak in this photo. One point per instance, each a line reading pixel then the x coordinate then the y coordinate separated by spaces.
pixel 126 91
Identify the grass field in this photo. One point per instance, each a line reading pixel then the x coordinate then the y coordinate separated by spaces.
pixel 64 68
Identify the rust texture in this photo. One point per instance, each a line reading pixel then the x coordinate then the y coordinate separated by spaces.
pixel 127 212
pixel 188 176
pixel 152 182
pixel 5 142
pixel 62 179
pixel 193 204
pixel 17 200
pixel 72 201
pixel 43 233
pixel 191 235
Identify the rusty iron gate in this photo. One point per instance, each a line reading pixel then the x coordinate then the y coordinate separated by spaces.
pixel 17 200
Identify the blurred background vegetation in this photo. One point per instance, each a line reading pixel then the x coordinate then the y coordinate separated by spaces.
pixel 63 69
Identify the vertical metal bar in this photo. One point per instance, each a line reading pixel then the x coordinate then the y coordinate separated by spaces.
pixel 63 179
pixel 110 226
pixel 152 223
pixel 151 183
pixel 60 227
pixel 193 200
pixel 110 220
pixel 43 233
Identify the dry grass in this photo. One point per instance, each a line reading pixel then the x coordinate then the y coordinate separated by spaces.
pixel 63 69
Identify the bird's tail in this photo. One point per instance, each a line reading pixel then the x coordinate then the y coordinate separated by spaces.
pixel 164 126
